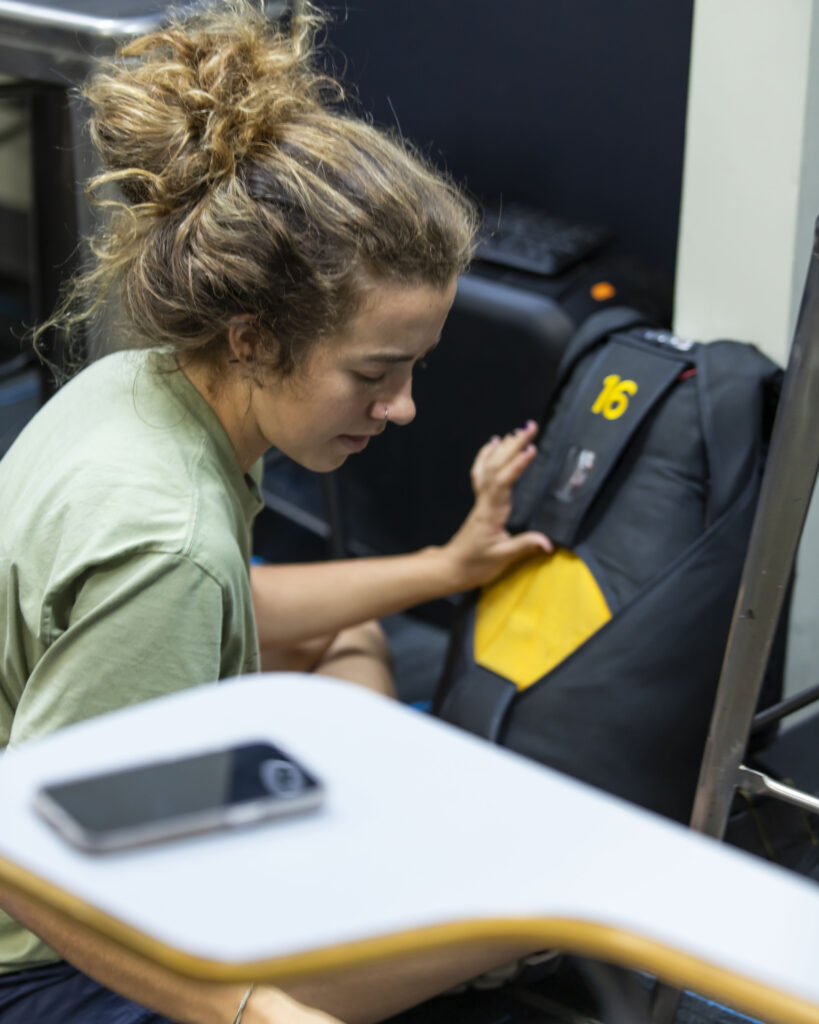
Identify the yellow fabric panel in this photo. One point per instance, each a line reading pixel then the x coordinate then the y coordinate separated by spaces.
pixel 536 614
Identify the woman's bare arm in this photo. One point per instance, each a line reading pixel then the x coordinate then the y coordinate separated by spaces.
pixel 295 603
pixel 180 999
pixel 360 995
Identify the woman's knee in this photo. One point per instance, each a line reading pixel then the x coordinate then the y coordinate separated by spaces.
pixel 361 654
pixel 368 638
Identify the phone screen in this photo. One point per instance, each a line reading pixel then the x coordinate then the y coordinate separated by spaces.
pixel 161 799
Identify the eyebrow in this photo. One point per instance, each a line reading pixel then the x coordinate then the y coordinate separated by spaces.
pixel 395 357
pixel 386 357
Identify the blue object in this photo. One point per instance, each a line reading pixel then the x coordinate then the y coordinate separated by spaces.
pixel 60 994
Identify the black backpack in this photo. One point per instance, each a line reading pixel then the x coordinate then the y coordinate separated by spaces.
pixel 646 479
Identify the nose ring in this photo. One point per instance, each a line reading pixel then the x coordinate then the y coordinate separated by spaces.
pixel 386 413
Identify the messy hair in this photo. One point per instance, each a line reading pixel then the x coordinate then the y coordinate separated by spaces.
pixel 248 187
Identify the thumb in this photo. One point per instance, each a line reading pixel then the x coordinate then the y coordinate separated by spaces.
pixel 527 544
pixel 537 541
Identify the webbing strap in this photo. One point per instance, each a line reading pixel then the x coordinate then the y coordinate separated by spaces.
pixel 620 387
pixel 478 702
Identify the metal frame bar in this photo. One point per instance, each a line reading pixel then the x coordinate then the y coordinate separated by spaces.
pixel 784 498
pixel 73 28
pixel 787 486
pixel 759 784
pixel 786 707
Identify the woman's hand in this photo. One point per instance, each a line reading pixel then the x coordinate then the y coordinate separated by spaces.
pixel 296 603
pixel 268 1005
pixel 482 548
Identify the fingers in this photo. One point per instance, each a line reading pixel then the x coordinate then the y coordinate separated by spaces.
pixel 502 460
pixel 514 443
pixel 478 470
pixel 532 541
pixel 508 474
pixel 519 545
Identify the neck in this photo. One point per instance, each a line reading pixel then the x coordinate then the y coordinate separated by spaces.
pixel 230 400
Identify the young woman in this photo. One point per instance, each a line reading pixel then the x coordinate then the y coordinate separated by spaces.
pixel 278 269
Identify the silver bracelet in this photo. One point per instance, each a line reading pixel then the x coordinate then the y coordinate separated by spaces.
pixel 238 1018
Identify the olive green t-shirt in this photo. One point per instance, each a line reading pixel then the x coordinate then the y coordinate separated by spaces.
pixel 124 553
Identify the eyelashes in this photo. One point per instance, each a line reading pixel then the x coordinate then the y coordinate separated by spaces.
pixel 378 378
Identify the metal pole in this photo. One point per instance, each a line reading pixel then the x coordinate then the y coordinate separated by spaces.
pixel 786 707
pixel 784 497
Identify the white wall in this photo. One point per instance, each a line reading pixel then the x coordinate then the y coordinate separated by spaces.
pixel 750 199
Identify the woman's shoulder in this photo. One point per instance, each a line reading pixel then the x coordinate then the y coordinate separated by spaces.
pixel 122 458
pixel 111 445
pixel 116 373
pixel 117 406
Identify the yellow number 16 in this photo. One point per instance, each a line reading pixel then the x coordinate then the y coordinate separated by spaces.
pixel 612 401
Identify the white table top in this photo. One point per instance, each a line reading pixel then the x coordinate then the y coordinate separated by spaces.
pixel 428 837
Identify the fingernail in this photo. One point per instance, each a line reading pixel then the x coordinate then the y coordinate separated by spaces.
pixel 494 439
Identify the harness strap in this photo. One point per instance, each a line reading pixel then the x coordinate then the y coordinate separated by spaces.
pixel 621 385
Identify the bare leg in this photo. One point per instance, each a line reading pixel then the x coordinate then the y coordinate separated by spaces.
pixel 360 655
pixel 303 657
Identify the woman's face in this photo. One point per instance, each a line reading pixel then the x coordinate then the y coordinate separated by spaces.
pixel 339 399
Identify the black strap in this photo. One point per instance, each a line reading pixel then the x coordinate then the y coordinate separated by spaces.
pixel 478 702
pixel 619 388
pixel 593 330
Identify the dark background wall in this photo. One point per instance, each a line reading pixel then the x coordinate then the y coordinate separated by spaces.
pixel 574 106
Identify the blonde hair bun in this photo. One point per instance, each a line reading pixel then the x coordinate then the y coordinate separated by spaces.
pixel 178 110
pixel 249 189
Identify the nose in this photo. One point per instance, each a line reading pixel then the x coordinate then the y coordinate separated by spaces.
pixel 400 405
pixel 402 410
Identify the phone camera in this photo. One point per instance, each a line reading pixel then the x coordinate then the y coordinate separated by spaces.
pixel 281 777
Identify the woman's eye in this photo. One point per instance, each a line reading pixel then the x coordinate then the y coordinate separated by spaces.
pixel 370 380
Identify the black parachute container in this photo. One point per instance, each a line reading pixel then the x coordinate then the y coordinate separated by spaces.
pixel 602 660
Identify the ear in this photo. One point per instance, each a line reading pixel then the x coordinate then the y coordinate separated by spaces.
pixel 243 338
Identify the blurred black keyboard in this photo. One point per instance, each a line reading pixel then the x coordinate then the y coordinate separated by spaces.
pixel 528 239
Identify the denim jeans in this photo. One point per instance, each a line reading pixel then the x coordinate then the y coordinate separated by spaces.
pixel 60 994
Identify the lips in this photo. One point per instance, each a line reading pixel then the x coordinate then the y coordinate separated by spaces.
pixel 355 442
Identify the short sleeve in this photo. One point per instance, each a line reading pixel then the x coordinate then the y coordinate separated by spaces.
pixel 149 625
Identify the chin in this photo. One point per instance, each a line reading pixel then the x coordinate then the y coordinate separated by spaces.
pixel 324 463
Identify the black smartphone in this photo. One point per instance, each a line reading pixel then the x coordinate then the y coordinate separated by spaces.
pixel 163 799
